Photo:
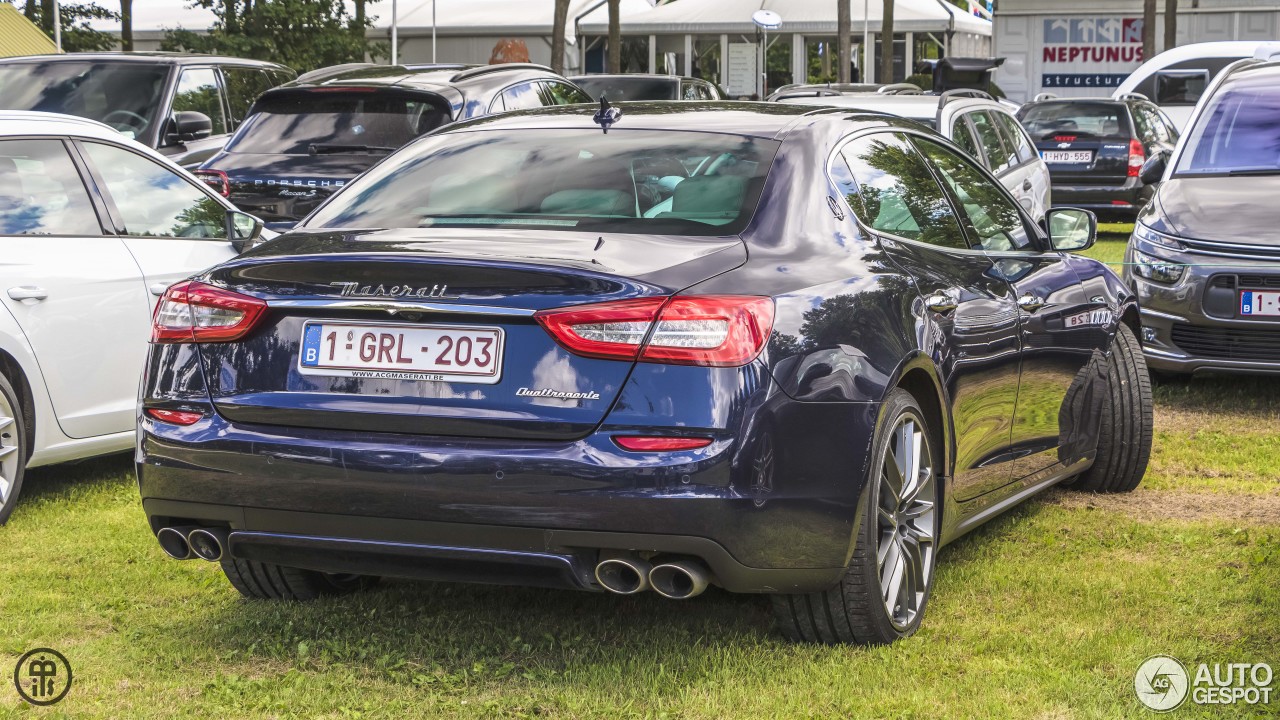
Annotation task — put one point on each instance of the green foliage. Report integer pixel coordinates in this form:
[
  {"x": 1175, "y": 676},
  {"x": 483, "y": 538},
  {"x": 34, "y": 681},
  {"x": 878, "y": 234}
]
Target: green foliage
[
  {"x": 303, "y": 34},
  {"x": 77, "y": 36}
]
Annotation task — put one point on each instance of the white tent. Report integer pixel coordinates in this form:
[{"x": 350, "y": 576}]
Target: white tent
[
  {"x": 499, "y": 17},
  {"x": 800, "y": 16}
]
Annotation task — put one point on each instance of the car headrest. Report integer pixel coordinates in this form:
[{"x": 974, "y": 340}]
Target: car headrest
[
  {"x": 709, "y": 194},
  {"x": 589, "y": 202}
]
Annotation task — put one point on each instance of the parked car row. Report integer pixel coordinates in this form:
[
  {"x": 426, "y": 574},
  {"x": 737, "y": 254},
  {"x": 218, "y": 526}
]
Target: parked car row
[{"x": 521, "y": 337}]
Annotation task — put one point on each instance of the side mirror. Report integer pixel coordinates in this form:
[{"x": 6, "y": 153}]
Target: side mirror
[
  {"x": 243, "y": 229},
  {"x": 1071, "y": 229},
  {"x": 1153, "y": 169},
  {"x": 187, "y": 125}
]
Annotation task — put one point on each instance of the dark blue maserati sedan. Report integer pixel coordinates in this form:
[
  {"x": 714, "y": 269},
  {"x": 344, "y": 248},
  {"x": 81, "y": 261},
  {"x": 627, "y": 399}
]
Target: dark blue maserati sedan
[{"x": 760, "y": 347}]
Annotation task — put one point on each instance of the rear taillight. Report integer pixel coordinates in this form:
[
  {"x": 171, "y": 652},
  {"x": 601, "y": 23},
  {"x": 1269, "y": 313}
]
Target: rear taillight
[
  {"x": 1137, "y": 156},
  {"x": 194, "y": 312},
  {"x": 706, "y": 330},
  {"x": 215, "y": 179},
  {"x": 1065, "y": 138},
  {"x": 658, "y": 443},
  {"x": 175, "y": 417}
]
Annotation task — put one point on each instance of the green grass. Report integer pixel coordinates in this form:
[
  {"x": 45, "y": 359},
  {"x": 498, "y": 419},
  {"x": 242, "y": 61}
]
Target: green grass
[
  {"x": 1112, "y": 237},
  {"x": 1044, "y": 613}
]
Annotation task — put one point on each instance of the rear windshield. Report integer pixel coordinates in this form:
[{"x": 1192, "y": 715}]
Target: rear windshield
[
  {"x": 122, "y": 95},
  {"x": 680, "y": 183},
  {"x": 319, "y": 121},
  {"x": 1099, "y": 120},
  {"x": 1238, "y": 132},
  {"x": 616, "y": 89}
]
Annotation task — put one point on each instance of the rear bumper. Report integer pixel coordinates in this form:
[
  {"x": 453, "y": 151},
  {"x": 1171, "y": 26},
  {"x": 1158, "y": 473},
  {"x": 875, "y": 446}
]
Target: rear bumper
[
  {"x": 517, "y": 512},
  {"x": 1108, "y": 201}
]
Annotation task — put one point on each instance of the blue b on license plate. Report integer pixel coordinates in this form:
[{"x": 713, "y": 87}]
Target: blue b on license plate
[
  {"x": 443, "y": 353},
  {"x": 1254, "y": 303}
]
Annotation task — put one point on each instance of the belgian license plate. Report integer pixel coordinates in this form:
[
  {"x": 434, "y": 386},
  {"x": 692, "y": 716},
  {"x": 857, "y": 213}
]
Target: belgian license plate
[
  {"x": 442, "y": 353},
  {"x": 1260, "y": 303},
  {"x": 1067, "y": 156}
]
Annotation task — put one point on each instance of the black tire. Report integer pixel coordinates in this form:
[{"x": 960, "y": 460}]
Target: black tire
[
  {"x": 1124, "y": 434},
  {"x": 13, "y": 448},
  {"x": 264, "y": 581},
  {"x": 854, "y": 611}
]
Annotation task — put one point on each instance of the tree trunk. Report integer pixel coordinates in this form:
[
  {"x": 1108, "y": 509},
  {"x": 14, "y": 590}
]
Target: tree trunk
[
  {"x": 1170, "y": 24},
  {"x": 844, "y": 50},
  {"x": 46, "y": 16},
  {"x": 360, "y": 13},
  {"x": 229, "y": 19},
  {"x": 126, "y": 25},
  {"x": 886, "y": 44},
  {"x": 1148, "y": 29},
  {"x": 615, "y": 38},
  {"x": 30, "y": 10},
  {"x": 557, "y": 35}
]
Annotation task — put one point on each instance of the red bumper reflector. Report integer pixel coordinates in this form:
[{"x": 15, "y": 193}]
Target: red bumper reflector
[
  {"x": 641, "y": 443},
  {"x": 175, "y": 417}
]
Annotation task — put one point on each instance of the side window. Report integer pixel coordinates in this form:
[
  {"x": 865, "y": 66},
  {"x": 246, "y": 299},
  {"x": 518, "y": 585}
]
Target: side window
[
  {"x": 198, "y": 91},
  {"x": 1151, "y": 124},
  {"x": 1016, "y": 136},
  {"x": 704, "y": 91},
  {"x": 41, "y": 192},
  {"x": 688, "y": 91},
  {"x": 962, "y": 136},
  {"x": 566, "y": 94},
  {"x": 244, "y": 85},
  {"x": 518, "y": 97},
  {"x": 1180, "y": 87},
  {"x": 898, "y": 194},
  {"x": 989, "y": 137},
  {"x": 989, "y": 212},
  {"x": 1169, "y": 127},
  {"x": 153, "y": 200}
]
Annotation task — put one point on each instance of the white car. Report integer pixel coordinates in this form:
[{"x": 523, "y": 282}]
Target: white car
[
  {"x": 979, "y": 124},
  {"x": 1176, "y": 78},
  {"x": 93, "y": 228}
]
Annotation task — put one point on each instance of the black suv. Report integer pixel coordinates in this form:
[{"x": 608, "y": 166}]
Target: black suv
[
  {"x": 184, "y": 106},
  {"x": 1095, "y": 149},
  {"x": 305, "y": 140}
]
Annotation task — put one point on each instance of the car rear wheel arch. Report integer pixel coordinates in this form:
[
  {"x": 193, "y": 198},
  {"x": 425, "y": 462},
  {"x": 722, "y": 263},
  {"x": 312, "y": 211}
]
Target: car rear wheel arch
[{"x": 919, "y": 377}]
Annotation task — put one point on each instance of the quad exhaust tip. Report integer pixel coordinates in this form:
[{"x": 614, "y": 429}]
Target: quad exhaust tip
[
  {"x": 173, "y": 540},
  {"x": 623, "y": 575},
  {"x": 679, "y": 579},
  {"x": 208, "y": 543}
]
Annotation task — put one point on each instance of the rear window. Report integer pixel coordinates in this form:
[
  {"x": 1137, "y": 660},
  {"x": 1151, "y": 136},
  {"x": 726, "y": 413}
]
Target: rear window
[
  {"x": 616, "y": 89},
  {"x": 1098, "y": 120},
  {"x": 1237, "y": 132},
  {"x": 302, "y": 122},
  {"x": 626, "y": 181}
]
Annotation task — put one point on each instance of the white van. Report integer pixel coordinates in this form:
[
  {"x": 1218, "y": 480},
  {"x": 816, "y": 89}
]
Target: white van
[{"x": 1176, "y": 78}]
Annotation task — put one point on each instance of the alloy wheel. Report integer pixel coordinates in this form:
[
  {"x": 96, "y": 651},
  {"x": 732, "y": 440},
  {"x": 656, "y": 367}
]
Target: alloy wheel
[
  {"x": 905, "y": 521},
  {"x": 9, "y": 456}
]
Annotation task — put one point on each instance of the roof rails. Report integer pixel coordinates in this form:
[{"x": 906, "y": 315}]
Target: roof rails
[
  {"x": 1134, "y": 96},
  {"x": 1044, "y": 96},
  {"x": 903, "y": 88},
  {"x": 503, "y": 67},
  {"x": 436, "y": 66},
  {"x": 814, "y": 92}
]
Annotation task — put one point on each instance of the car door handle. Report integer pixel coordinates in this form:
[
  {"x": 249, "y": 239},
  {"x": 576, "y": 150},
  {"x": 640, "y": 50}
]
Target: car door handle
[
  {"x": 28, "y": 292},
  {"x": 1030, "y": 303},
  {"x": 940, "y": 303},
  {"x": 158, "y": 289}
]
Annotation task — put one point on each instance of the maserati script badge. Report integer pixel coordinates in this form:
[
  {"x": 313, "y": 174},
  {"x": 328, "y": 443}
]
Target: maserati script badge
[{"x": 433, "y": 292}]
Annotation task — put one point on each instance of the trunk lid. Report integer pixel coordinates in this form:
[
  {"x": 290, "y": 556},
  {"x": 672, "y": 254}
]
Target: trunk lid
[
  {"x": 404, "y": 282},
  {"x": 286, "y": 188},
  {"x": 1083, "y": 143}
]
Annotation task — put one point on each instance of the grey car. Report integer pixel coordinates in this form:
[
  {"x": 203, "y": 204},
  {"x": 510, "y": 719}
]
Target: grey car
[{"x": 1204, "y": 258}]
